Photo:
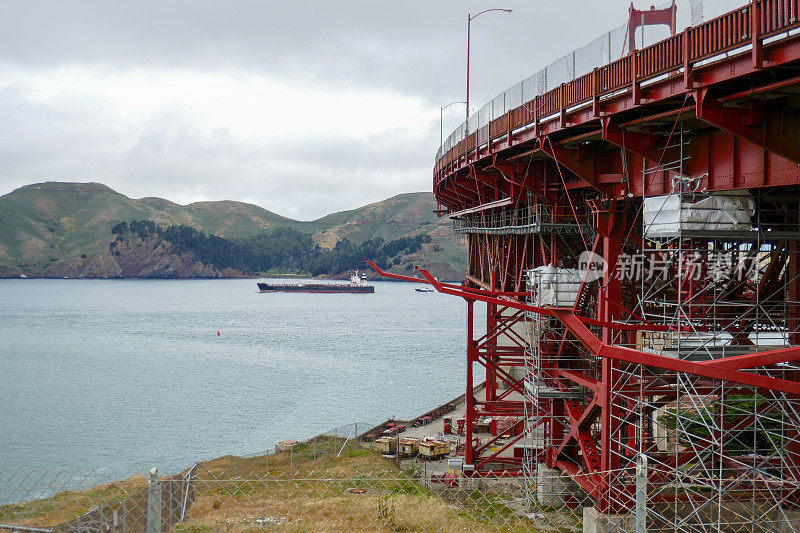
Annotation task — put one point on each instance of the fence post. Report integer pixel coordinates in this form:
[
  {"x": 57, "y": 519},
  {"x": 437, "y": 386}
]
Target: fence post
[
  {"x": 641, "y": 493},
  {"x": 574, "y": 72},
  {"x": 235, "y": 476},
  {"x": 185, "y": 487},
  {"x": 154, "y": 503}
]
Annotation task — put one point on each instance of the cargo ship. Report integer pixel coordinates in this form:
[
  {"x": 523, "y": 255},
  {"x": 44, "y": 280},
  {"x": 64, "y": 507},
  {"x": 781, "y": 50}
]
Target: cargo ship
[{"x": 358, "y": 284}]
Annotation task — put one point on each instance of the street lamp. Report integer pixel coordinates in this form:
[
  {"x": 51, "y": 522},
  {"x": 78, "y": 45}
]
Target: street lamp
[
  {"x": 441, "y": 119},
  {"x": 469, "y": 23}
]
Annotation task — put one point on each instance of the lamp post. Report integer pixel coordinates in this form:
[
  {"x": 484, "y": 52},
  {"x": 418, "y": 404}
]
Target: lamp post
[
  {"x": 469, "y": 24},
  {"x": 441, "y": 119}
]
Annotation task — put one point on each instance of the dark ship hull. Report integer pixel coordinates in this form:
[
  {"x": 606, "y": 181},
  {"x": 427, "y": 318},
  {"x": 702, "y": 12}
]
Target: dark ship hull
[{"x": 316, "y": 287}]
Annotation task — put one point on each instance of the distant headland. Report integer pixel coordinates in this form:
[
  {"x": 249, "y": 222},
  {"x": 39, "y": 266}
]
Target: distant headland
[{"x": 88, "y": 230}]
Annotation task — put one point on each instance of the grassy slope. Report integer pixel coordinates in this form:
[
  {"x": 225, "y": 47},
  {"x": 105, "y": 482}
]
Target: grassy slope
[
  {"x": 42, "y": 222},
  {"x": 310, "y": 489},
  {"x": 50, "y": 222},
  {"x": 232, "y": 220},
  {"x": 402, "y": 215}
]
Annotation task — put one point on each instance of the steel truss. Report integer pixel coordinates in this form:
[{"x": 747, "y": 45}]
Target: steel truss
[
  {"x": 501, "y": 243},
  {"x": 698, "y": 378},
  {"x": 500, "y": 351},
  {"x": 657, "y": 367}
]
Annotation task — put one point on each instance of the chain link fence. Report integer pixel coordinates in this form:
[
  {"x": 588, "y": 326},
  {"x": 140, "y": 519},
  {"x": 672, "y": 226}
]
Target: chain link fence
[
  {"x": 337, "y": 482},
  {"x": 50, "y": 501},
  {"x": 332, "y": 482}
]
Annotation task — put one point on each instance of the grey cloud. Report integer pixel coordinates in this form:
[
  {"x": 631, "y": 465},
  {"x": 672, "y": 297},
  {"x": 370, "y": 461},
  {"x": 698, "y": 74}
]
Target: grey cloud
[
  {"x": 416, "y": 47},
  {"x": 173, "y": 157},
  {"x": 412, "y": 48}
]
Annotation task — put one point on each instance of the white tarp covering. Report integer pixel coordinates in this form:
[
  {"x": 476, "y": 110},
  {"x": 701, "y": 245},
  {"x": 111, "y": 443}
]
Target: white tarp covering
[
  {"x": 667, "y": 216},
  {"x": 554, "y": 286}
]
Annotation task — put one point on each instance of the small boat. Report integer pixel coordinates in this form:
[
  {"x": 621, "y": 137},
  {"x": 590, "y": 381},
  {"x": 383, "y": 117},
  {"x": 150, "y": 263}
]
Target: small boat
[
  {"x": 424, "y": 289},
  {"x": 358, "y": 285}
]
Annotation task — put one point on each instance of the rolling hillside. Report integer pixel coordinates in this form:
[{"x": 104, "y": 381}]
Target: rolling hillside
[{"x": 58, "y": 229}]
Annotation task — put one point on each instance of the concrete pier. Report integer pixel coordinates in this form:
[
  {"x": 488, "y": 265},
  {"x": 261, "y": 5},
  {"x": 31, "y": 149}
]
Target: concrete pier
[
  {"x": 731, "y": 516},
  {"x": 597, "y": 522},
  {"x": 553, "y": 487}
]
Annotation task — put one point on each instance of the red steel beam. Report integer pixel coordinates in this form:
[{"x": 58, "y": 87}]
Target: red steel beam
[
  {"x": 577, "y": 327},
  {"x": 598, "y": 348}
]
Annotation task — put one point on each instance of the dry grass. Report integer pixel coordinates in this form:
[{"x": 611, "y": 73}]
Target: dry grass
[
  {"x": 315, "y": 508},
  {"x": 305, "y": 461},
  {"x": 67, "y": 505},
  {"x": 298, "y": 491},
  {"x": 358, "y": 491}
]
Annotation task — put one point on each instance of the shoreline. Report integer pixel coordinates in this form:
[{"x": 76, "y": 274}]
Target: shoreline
[
  {"x": 431, "y": 417},
  {"x": 271, "y": 276}
]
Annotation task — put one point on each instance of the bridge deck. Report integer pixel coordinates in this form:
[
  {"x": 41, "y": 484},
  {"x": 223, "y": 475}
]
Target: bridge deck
[{"x": 698, "y": 76}]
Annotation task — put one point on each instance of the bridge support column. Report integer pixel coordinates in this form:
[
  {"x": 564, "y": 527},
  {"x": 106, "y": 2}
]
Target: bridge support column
[
  {"x": 596, "y": 522},
  {"x": 554, "y": 488}
]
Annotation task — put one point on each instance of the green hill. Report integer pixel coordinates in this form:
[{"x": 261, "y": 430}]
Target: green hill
[{"x": 64, "y": 229}]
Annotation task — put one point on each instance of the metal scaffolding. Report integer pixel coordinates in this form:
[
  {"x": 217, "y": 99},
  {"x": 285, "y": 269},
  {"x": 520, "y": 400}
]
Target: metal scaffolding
[{"x": 713, "y": 284}]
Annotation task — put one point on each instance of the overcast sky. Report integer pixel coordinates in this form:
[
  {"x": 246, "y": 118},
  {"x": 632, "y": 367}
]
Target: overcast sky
[{"x": 301, "y": 107}]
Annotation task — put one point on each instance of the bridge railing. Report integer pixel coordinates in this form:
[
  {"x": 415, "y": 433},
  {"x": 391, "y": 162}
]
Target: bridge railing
[
  {"x": 604, "y": 49},
  {"x": 563, "y": 85}
]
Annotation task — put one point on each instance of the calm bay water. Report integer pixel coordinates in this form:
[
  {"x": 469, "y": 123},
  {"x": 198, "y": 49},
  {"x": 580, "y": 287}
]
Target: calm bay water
[{"x": 124, "y": 375}]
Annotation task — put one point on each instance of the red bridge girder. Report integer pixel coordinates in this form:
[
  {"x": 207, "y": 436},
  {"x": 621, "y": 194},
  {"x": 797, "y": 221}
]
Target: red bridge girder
[{"x": 740, "y": 105}]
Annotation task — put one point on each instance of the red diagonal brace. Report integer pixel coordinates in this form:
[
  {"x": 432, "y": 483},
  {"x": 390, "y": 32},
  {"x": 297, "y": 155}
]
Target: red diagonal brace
[
  {"x": 751, "y": 360},
  {"x": 507, "y": 299},
  {"x": 596, "y": 347},
  {"x": 385, "y": 274}
]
